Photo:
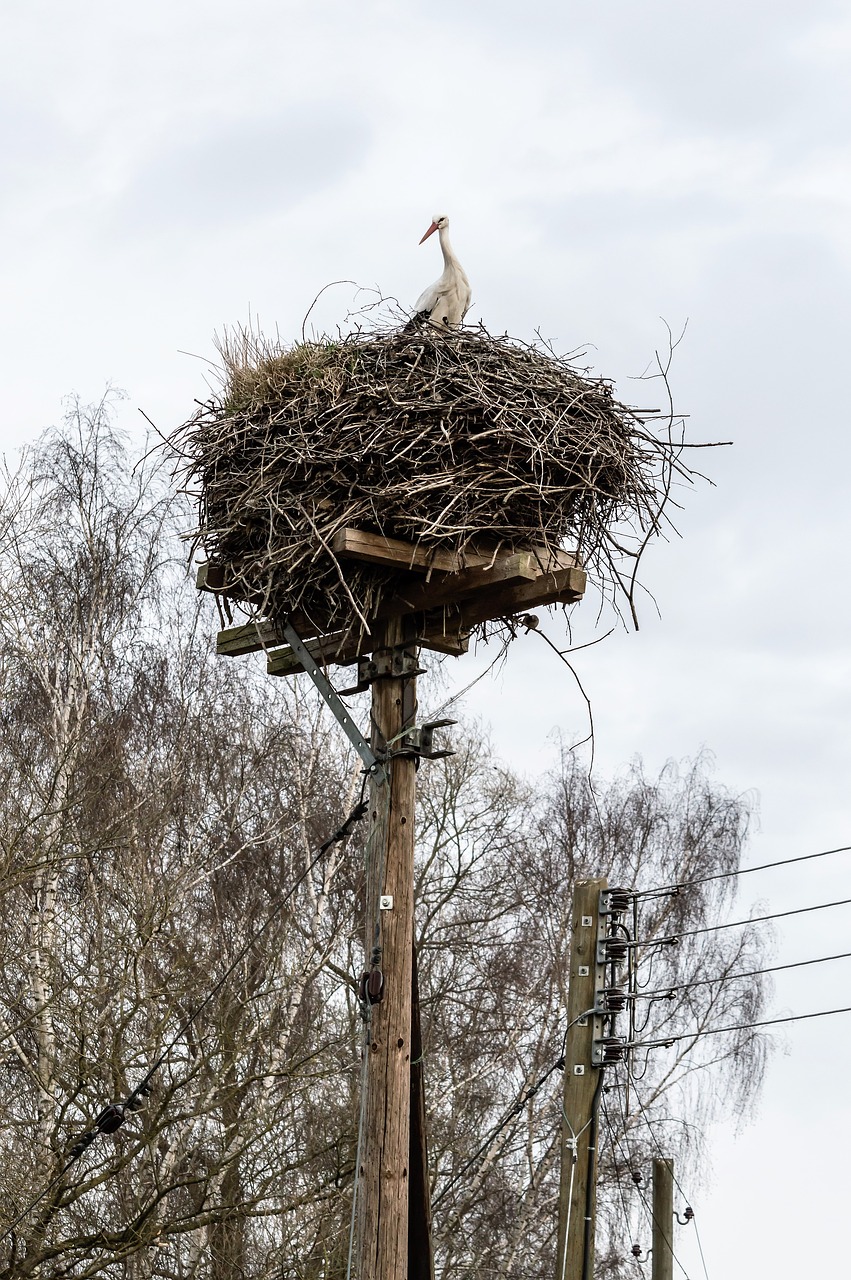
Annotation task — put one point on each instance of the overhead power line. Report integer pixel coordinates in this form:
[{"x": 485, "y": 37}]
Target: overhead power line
[
  {"x": 642, "y": 1111},
  {"x": 741, "y": 871},
  {"x": 514, "y": 1110},
  {"x": 736, "y": 924},
  {"x": 661, "y": 992},
  {"x": 645, "y": 1204},
  {"x": 741, "y": 1026}
]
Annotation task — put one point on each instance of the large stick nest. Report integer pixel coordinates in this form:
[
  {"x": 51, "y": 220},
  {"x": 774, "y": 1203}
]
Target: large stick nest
[{"x": 445, "y": 439}]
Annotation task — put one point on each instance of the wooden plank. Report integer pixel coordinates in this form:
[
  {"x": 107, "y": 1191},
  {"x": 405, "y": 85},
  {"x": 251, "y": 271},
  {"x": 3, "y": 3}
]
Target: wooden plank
[
  {"x": 342, "y": 649},
  {"x": 219, "y": 581},
  {"x": 250, "y": 638},
  {"x": 509, "y": 571},
  {"x": 338, "y": 649},
  {"x": 395, "y": 553},
  {"x": 455, "y": 646},
  {"x": 210, "y": 577},
  {"x": 564, "y": 586},
  {"x": 509, "y": 588},
  {"x": 445, "y": 630},
  {"x": 235, "y": 642},
  {"x": 457, "y": 576}
]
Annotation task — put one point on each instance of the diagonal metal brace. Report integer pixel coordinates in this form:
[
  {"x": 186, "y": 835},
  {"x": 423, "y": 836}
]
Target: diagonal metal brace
[{"x": 334, "y": 701}]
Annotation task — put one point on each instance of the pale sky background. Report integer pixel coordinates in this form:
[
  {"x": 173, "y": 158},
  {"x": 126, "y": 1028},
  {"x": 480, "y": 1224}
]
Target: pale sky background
[{"x": 174, "y": 167}]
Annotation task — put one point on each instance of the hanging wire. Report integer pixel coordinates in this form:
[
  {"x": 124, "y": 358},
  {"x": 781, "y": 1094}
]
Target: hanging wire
[
  {"x": 741, "y": 1026},
  {"x": 514, "y": 1110},
  {"x": 616, "y": 1142},
  {"x": 359, "y": 1147},
  {"x": 741, "y": 871},
  {"x": 648, "y": 1207},
  {"x": 737, "y": 924},
  {"x": 643, "y": 1114},
  {"x": 662, "y": 992}
]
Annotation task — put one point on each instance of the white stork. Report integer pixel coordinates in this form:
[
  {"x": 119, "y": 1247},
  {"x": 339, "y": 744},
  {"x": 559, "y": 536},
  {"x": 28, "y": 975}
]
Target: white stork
[{"x": 447, "y": 301}]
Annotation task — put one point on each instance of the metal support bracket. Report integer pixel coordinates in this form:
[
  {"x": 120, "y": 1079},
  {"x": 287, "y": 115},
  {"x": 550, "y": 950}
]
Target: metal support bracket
[
  {"x": 390, "y": 664},
  {"x": 614, "y": 902},
  {"x": 419, "y": 741},
  {"x": 333, "y": 700},
  {"x": 608, "y": 1049},
  {"x": 386, "y": 664}
]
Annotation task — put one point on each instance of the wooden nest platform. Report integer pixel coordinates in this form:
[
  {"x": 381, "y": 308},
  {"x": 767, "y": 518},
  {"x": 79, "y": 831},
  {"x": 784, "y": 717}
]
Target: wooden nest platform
[{"x": 454, "y": 477}]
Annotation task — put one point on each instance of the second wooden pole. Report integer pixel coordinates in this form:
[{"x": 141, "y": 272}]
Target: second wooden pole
[{"x": 663, "y": 1219}]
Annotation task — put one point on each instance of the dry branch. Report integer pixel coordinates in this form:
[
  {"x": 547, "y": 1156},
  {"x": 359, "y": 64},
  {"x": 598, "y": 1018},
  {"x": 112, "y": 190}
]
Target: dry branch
[{"x": 457, "y": 442}]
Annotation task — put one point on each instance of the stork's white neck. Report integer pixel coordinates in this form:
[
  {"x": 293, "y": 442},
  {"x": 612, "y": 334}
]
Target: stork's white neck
[{"x": 448, "y": 252}]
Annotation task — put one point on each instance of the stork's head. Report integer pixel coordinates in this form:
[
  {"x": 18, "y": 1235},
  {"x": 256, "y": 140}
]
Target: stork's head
[{"x": 438, "y": 223}]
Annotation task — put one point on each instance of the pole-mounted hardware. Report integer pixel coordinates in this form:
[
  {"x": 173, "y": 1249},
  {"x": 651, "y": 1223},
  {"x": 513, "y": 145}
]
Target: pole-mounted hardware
[
  {"x": 608, "y": 1049},
  {"x": 611, "y": 950},
  {"x": 419, "y": 741},
  {"x": 371, "y": 985},
  {"x": 333, "y": 700},
  {"x": 395, "y": 662},
  {"x": 610, "y": 1000},
  {"x": 614, "y": 902}
]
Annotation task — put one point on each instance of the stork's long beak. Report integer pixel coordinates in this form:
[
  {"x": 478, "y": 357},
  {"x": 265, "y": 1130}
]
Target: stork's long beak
[{"x": 430, "y": 231}]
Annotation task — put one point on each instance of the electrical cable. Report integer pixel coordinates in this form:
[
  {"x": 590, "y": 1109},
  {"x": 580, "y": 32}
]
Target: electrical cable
[
  {"x": 742, "y": 871},
  {"x": 616, "y": 1140},
  {"x": 648, "y": 1208},
  {"x": 741, "y": 1026},
  {"x": 662, "y": 992},
  {"x": 590, "y": 1185},
  {"x": 656, "y": 1143},
  {"x": 736, "y": 924},
  {"x": 113, "y": 1116},
  {"x": 359, "y": 1148},
  {"x": 562, "y": 1262},
  {"x": 514, "y": 1110},
  {"x": 627, "y": 1215}
]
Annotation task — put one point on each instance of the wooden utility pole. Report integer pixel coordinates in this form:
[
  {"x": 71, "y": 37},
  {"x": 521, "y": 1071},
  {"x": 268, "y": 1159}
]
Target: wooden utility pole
[
  {"x": 384, "y": 1170},
  {"x": 459, "y": 590},
  {"x": 577, "y": 1194},
  {"x": 663, "y": 1219}
]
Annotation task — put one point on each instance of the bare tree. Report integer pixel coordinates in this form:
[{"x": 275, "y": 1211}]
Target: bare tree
[
  {"x": 498, "y": 871},
  {"x": 159, "y": 806}
]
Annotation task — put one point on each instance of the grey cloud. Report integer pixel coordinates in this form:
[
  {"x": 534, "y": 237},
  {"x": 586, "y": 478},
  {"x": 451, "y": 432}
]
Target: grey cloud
[
  {"x": 727, "y": 67},
  {"x": 244, "y": 170}
]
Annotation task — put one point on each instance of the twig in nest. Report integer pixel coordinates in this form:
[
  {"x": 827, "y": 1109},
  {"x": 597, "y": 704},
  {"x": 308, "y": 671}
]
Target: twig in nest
[{"x": 447, "y": 440}]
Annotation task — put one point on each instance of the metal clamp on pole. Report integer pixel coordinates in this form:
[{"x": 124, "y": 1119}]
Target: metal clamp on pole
[
  {"x": 419, "y": 741},
  {"x": 386, "y": 664}
]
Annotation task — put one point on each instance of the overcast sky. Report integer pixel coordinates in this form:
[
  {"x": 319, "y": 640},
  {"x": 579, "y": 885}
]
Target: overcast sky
[{"x": 176, "y": 167}]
